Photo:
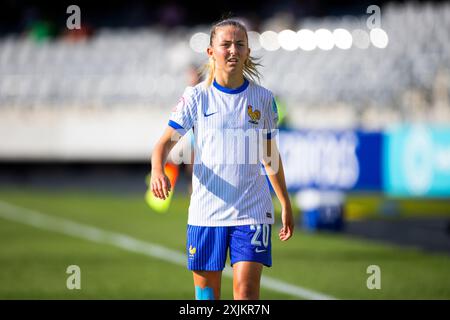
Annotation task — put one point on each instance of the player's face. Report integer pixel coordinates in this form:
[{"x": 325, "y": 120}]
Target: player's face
[{"x": 229, "y": 49}]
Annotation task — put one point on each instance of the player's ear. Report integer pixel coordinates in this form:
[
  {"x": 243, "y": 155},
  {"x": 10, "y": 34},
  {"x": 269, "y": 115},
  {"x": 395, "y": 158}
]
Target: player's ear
[{"x": 209, "y": 51}]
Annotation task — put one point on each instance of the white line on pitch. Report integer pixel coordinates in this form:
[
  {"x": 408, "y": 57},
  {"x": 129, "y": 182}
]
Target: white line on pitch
[{"x": 68, "y": 227}]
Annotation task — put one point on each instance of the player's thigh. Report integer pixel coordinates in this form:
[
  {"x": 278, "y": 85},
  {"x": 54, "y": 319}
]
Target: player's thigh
[
  {"x": 250, "y": 250},
  {"x": 247, "y": 273},
  {"x": 206, "y": 248},
  {"x": 246, "y": 280},
  {"x": 251, "y": 243}
]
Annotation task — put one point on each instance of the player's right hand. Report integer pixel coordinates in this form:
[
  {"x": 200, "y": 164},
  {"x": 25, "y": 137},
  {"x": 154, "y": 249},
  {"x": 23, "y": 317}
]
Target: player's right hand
[{"x": 160, "y": 185}]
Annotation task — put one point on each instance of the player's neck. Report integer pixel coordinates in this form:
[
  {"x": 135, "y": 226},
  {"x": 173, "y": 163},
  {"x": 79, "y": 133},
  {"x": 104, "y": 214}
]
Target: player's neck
[{"x": 231, "y": 81}]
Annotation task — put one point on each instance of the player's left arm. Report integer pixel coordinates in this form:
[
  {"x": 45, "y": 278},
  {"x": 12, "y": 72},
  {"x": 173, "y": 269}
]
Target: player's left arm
[{"x": 274, "y": 169}]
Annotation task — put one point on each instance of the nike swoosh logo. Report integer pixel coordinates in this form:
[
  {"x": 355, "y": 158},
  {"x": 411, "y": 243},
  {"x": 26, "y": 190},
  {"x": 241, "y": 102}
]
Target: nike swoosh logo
[
  {"x": 259, "y": 251},
  {"x": 207, "y": 115}
]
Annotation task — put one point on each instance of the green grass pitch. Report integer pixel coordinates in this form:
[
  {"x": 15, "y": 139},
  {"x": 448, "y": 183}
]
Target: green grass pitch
[{"x": 33, "y": 260}]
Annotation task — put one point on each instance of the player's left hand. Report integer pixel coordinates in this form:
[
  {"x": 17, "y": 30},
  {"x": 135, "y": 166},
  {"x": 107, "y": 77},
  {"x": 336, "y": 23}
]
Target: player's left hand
[{"x": 288, "y": 223}]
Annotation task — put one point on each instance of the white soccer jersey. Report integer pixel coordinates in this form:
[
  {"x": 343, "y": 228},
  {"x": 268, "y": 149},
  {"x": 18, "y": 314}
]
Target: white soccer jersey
[{"x": 229, "y": 188}]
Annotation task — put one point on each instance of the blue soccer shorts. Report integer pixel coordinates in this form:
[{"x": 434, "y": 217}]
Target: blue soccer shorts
[{"x": 207, "y": 247}]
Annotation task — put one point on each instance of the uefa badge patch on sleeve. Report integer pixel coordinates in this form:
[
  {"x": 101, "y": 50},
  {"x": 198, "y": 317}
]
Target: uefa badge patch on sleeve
[{"x": 179, "y": 105}]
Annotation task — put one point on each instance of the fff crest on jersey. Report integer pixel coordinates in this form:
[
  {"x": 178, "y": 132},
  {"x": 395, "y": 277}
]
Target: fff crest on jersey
[{"x": 254, "y": 115}]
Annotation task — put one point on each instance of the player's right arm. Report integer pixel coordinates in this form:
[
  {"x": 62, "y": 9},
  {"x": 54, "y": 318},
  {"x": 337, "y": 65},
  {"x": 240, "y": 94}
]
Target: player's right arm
[
  {"x": 160, "y": 183},
  {"x": 181, "y": 120}
]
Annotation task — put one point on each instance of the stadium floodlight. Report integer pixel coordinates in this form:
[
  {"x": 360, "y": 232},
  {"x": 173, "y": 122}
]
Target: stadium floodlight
[
  {"x": 254, "y": 40},
  {"x": 306, "y": 39},
  {"x": 199, "y": 42},
  {"x": 342, "y": 38},
  {"x": 379, "y": 38},
  {"x": 360, "y": 38},
  {"x": 269, "y": 41},
  {"x": 288, "y": 40},
  {"x": 324, "y": 39}
]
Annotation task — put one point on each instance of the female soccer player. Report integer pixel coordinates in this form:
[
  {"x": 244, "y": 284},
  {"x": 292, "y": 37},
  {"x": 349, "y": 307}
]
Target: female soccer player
[{"x": 231, "y": 206}]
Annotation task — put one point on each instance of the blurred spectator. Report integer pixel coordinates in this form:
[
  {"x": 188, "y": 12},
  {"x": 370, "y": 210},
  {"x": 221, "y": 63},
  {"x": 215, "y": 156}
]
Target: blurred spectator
[
  {"x": 77, "y": 35},
  {"x": 280, "y": 21},
  {"x": 41, "y": 30},
  {"x": 171, "y": 14}
]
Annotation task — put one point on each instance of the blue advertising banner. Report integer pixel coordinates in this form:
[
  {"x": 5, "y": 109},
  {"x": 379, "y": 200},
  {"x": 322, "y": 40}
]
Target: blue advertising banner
[
  {"x": 331, "y": 160},
  {"x": 417, "y": 161}
]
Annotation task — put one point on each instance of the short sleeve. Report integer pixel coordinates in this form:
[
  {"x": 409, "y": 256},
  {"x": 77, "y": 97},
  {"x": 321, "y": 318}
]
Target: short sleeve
[
  {"x": 184, "y": 114},
  {"x": 271, "y": 118}
]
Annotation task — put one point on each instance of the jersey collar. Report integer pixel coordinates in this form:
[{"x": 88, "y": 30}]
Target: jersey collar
[{"x": 232, "y": 91}]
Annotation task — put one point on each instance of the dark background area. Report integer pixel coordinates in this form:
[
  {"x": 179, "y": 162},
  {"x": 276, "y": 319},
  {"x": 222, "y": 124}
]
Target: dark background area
[{"x": 18, "y": 16}]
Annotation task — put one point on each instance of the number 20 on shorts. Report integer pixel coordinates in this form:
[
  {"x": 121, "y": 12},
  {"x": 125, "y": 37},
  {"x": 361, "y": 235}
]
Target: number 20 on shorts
[{"x": 256, "y": 239}]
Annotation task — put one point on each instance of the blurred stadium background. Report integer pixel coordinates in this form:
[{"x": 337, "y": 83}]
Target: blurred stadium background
[{"x": 365, "y": 140}]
